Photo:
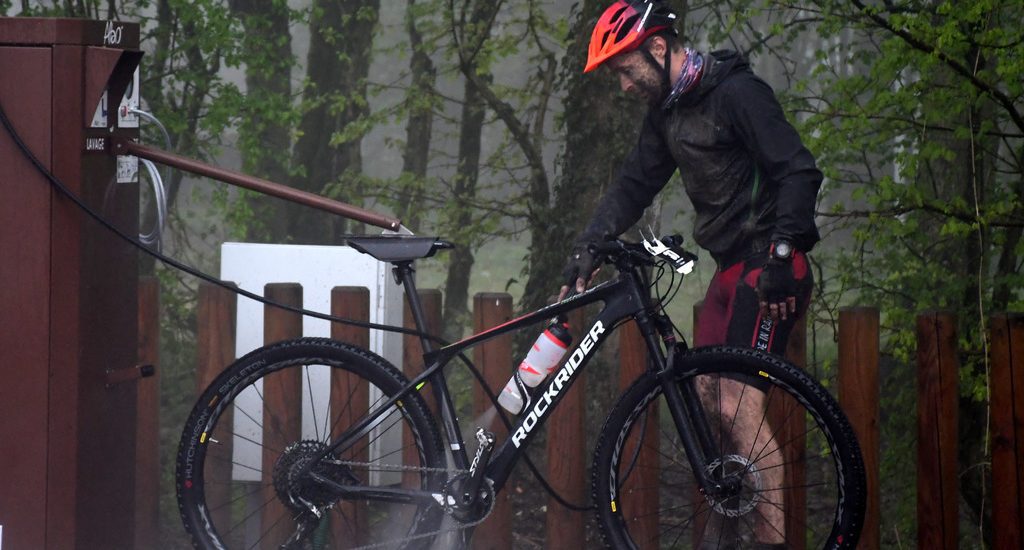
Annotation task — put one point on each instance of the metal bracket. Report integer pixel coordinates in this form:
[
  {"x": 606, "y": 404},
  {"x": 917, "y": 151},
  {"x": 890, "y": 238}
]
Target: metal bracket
[{"x": 120, "y": 376}]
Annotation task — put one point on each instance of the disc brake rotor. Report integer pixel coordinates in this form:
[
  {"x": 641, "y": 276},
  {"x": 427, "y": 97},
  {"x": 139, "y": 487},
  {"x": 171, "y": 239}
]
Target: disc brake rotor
[{"x": 743, "y": 485}]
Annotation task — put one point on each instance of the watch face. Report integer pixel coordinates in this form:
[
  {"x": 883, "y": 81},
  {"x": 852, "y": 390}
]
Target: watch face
[{"x": 783, "y": 250}]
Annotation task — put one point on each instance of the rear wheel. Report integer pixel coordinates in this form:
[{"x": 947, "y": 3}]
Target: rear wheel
[
  {"x": 785, "y": 463},
  {"x": 264, "y": 422}
]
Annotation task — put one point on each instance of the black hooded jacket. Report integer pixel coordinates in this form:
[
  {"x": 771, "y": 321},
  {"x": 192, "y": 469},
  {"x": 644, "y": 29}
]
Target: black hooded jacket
[{"x": 743, "y": 165}]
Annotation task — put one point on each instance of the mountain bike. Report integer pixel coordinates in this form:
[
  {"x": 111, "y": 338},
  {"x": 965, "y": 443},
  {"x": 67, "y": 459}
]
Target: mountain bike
[{"x": 317, "y": 443}]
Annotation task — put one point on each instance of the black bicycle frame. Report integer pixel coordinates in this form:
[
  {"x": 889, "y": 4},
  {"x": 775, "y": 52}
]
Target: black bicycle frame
[{"x": 624, "y": 297}]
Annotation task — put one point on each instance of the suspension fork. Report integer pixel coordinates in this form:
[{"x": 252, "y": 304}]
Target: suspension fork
[{"x": 683, "y": 400}]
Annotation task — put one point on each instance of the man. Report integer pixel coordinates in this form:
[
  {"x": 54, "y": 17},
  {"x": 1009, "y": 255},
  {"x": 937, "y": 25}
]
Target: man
[{"x": 751, "y": 181}]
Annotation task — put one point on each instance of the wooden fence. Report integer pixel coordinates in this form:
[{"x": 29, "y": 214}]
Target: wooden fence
[{"x": 858, "y": 391}]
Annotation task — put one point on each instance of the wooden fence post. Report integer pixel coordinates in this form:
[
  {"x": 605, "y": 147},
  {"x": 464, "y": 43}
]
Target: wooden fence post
[
  {"x": 1007, "y": 383},
  {"x": 412, "y": 348},
  {"x": 282, "y": 398},
  {"x": 215, "y": 333},
  {"x": 494, "y": 358},
  {"x": 147, "y": 427},
  {"x": 701, "y": 510},
  {"x": 215, "y": 336},
  {"x": 349, "y": 400},
  {"x": 640, "y": 490},
  {"x": 859, "y": 398},
  {"x": 937, "y": 480},
  {"x": 566, "y": 449},
  {"x": 791, "y": 429}
]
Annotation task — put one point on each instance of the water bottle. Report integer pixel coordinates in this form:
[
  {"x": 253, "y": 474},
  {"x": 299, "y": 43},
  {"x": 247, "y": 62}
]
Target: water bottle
[{"x": 539, "y": 362}]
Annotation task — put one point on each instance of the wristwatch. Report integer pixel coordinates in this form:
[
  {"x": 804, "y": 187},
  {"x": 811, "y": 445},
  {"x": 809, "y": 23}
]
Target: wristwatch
[{"x": 782, "y": 250}]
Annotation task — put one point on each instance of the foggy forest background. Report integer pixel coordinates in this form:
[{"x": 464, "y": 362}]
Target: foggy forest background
[{"x": 470, "y": 119}]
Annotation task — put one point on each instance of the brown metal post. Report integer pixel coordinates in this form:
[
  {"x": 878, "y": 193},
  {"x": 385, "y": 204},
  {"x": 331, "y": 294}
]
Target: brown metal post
[
  {"x": 282, "y": 398},
  {"x": 147, "y": 426},
  {"x": 494, "y": 358},
  {"x": 349, "y": 401},
  {"x": 937, "y": 480},
  {"x": 859, "y": 398},
  {"x": 125, "y": 147},
  {"x": 215, "y": 350},
  {"x": 566, "y": 450},
  {"x": 1007, "y": 426},
  {"x": 640, "y": 491}
]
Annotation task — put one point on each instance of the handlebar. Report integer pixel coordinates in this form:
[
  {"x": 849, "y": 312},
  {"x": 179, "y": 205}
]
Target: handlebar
[{"x": 627, "y": 254}]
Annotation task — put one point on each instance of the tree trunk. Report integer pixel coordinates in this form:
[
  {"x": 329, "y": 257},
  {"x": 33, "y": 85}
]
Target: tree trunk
[
  {"x": 460, "y": 218},
  {"x": 341, "y": 37},
  {"x": 460, "y": 260},
  {"x": 420, "y": 104},
  {"x": 188, "y": 96},
  {"x": 965, "y": 259},
  {"x": 1007, "y": 266},
  {"x": 600, "y": 128},
  {"x": 265, "y": 140}
]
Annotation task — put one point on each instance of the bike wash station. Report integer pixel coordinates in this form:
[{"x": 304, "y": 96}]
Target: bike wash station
[
  {"x": 69, "y": 368},
  {"x": 70, "y": 373}
]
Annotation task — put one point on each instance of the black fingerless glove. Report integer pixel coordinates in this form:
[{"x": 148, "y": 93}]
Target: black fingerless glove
[
  {"x": 581, "y": 265},
  {"x": 776, "y": 282}
]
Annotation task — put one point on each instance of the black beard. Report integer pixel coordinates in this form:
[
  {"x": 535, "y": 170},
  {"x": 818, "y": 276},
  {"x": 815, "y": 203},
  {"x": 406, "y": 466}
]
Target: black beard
[
  {"x": 654, "y": 95},
  {"x": 656, "y": 100}
]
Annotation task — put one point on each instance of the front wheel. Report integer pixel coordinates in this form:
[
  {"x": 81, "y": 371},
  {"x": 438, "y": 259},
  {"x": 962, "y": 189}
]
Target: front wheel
[
  {"x": 257, "y": 434},
  {"x": 784, "y": 467}
]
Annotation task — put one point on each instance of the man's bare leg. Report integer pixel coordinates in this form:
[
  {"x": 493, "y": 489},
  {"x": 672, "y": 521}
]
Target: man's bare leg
[{"x": 743, "y": 421}]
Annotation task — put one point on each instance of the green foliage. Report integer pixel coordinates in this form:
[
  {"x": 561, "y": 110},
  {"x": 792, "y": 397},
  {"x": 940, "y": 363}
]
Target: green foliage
[
  {"x": 913, "y": 110},
  {"x": 914, "y": 113}
]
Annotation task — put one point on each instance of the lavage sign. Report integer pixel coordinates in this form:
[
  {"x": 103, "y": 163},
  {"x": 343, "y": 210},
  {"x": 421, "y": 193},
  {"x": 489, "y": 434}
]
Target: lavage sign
[{"x": 543, "y": 403}]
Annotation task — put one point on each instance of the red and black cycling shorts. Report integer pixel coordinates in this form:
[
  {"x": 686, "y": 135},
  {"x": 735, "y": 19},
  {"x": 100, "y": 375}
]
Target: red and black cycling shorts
[{"x": 731, "y": 313}]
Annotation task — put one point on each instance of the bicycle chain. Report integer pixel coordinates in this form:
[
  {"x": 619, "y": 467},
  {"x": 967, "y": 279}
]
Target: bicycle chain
[
  {"x": 396, "y": 467},
  {"x": 444, "y": 494}
]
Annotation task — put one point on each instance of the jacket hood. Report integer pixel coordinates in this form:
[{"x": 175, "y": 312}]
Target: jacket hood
[{"x": 718, "y": 65}]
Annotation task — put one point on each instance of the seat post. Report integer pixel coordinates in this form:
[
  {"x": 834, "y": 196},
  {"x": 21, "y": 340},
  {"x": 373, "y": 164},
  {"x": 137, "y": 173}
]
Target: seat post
[{"x": 404, "y": 275}]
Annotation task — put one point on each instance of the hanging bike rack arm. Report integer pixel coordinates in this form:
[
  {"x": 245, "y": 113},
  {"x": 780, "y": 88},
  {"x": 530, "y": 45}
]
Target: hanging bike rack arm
[{"x": 125, "y": 147}]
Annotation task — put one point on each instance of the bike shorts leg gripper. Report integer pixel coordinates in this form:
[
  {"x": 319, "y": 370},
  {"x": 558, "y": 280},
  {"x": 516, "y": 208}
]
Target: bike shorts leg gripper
[{"x": 731, "y": 313}]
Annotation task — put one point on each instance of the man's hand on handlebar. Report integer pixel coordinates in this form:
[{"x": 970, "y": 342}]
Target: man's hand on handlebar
[{"x": 580, "y": 269}]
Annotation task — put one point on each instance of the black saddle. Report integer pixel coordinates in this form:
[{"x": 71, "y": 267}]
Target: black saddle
[{"x": 398, "y": 248}]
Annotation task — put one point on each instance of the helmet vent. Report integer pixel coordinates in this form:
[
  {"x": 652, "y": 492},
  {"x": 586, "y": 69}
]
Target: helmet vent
[{"x": 627, "y": 27}]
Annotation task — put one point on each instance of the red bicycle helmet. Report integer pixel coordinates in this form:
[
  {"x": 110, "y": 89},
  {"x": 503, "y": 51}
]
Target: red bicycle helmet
[{"x": 624, "y": 26}]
